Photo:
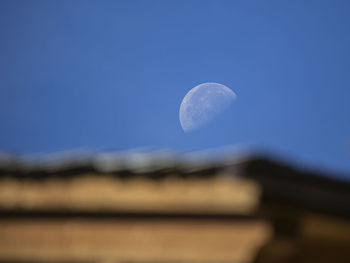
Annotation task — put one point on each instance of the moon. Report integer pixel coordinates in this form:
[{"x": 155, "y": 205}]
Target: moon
[{"x": 203, "y": 103}]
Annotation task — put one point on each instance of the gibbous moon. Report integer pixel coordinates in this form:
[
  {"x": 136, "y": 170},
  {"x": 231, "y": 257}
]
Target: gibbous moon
[{"x": 203, "y": 103}]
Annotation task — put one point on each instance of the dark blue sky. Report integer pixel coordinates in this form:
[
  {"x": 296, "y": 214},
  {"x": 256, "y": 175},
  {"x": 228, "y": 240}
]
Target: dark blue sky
[{"x": 112, "y": 74}]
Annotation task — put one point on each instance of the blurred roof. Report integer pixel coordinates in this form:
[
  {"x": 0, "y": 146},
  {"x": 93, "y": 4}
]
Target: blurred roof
[{"x": 278, "y": 180}]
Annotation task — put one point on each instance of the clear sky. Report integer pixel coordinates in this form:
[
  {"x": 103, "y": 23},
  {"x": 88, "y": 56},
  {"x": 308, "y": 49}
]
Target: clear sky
[{"x": 112, "y": 74}]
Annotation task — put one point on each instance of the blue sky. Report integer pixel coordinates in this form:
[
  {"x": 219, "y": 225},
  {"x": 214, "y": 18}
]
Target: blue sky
[{"x": 112, "y": 74}]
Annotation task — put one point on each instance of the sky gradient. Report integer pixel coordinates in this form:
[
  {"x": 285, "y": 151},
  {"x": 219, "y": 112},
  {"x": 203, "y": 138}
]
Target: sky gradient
[{"x": 112, "y": 75}]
